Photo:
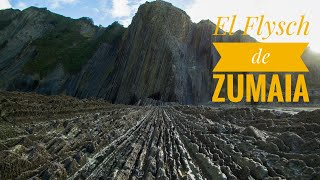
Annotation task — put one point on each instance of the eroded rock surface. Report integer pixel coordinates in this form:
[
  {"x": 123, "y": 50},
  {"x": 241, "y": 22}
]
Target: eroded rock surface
[
  {"x": 162, "y": 56},
  {"x": 62, "y": 137}
]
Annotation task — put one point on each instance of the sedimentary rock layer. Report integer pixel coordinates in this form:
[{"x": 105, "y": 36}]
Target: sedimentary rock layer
[
  {"x": 162, "y": 55},
  {"x": 96, "y": 140}
]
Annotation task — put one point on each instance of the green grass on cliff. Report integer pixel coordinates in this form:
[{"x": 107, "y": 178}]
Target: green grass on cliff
[
  {"x": 112, "y": 34},
  {"x": 65, "y": 45}
]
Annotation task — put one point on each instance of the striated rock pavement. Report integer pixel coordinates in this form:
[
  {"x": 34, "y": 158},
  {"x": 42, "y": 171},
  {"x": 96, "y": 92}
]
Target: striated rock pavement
[{"x": 58, "y": 137}]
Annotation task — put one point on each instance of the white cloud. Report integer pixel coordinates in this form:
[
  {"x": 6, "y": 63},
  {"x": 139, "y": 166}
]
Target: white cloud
[
  {"x": 125, "y": 21},
  {"x": 274, "y": 10},
  {"x": 55, "y": 4},
  {"x": 5, "y": 4},
  {"x": 96, "y": 10},
  {"x": 21, "y": 5},
  {"x": 120, "y": 8}
]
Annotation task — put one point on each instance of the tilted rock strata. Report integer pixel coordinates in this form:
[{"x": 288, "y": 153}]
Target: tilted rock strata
[
  {"x": 162, "y": 55},
  {"x": 178, "y": 142}
]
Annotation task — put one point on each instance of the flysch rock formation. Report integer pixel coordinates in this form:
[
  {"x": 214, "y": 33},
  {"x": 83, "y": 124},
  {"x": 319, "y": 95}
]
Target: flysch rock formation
[
  {"x": 59, "y": 137},
  {"x": 161, "y": 56}
]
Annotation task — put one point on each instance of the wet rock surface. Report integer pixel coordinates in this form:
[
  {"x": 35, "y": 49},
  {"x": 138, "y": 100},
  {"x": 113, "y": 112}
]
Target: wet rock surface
[{"x": 58, "y": 137}]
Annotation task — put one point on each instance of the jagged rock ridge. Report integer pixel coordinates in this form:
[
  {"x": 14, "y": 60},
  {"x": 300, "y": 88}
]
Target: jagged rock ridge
[{"x": 162, "y": 55}]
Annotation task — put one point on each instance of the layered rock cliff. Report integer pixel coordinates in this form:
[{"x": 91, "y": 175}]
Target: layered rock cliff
[{"x": 162, "y": 55}]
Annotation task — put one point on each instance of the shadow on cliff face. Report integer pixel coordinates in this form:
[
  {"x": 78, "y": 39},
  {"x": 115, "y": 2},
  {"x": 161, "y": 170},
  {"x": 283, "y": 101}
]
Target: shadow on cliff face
[
  {"x": 155, "y": 96},
  {"x": 133, "y": 100}
]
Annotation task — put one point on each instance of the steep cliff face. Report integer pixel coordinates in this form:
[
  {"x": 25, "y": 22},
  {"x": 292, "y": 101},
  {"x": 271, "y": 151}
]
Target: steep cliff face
[
  {"x": 36, "y": 43},
  {"x": 17, "y": 31},
  {"x": 162, "y": 55}
]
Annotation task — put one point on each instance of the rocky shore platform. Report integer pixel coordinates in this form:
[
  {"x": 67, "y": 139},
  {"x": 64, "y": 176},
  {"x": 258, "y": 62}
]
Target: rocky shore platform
[{"x": 60, "y": 137}]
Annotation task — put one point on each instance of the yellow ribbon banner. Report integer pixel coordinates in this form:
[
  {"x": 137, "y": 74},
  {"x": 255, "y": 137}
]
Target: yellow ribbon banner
[{"x": 260, "y": 57}]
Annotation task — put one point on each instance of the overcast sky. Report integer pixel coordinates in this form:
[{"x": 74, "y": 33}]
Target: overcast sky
[{"x": 105, "y": 12}]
